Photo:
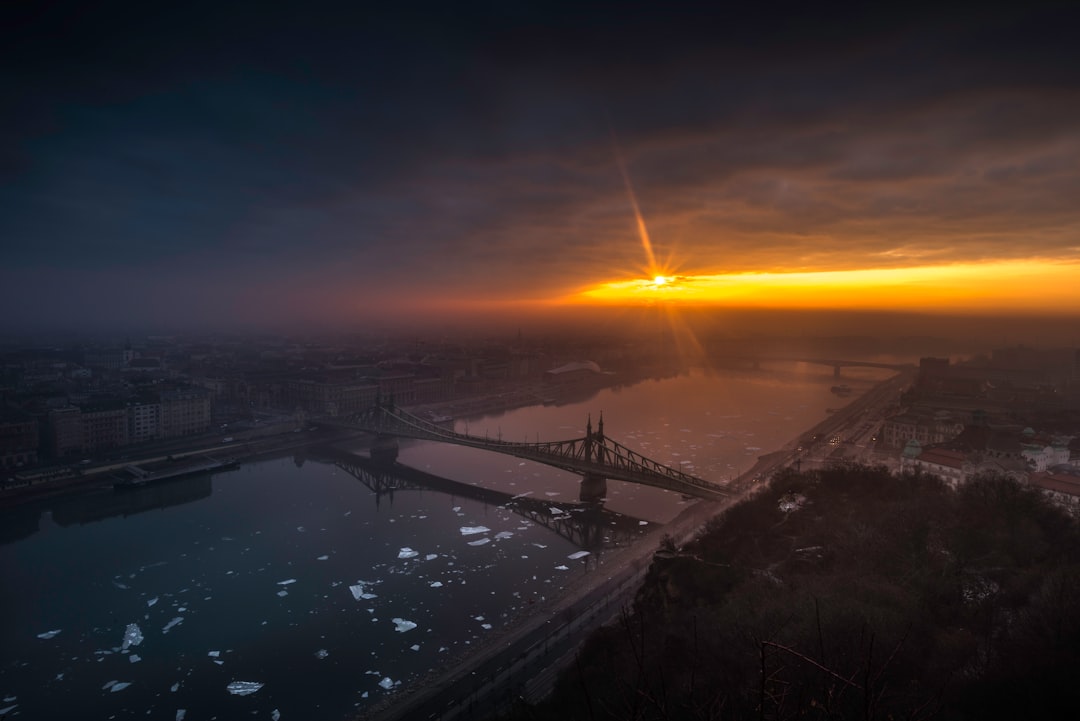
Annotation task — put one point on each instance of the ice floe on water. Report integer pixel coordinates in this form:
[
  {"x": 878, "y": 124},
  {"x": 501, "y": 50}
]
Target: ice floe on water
[
  {"x": 556, "y": 511},
  {"x": 643, "y": 523},
  {"x": 151, "y": 601},
  {"x": 243, "y": 688},
  {"x": 480, "y": 542},
  {"x": 401, "y": 625},
  {"x": 577, "y": 555},
  {"x": 283, "y": 593},
  {"x": 359, "y": 591},
  {"x": 473, "y": 530},
  {"x": 213, "y": 654},
  {"x": 407, "y": 552},
  {"x": 562, "y": 568},
  {"x": 132, "y": 636},
  {"x": 49, "y": 634},
  {"x": 436, "y": 584},
  {"x": 114, "y": 686},
  {"x": 180, "y": 714},
  {"x": 134, "y": 658},
  {"x": 431, "y": 557},
  {"x": 275, "y": 715},
  {"x": 175, "y": 687},
  {"x": 504, "y": 535},
  {"x": 286, "y": 582},
  {"x": 321, "y": 653},
  {"x": 323, "y": 558},
  {"x": 7, "y": 710},
  {"x": 387, "y": 683},
  {"x": 174, "y": 622}
]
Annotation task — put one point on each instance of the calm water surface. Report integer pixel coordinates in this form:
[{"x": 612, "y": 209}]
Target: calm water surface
[{"x": 253, "y": 575}]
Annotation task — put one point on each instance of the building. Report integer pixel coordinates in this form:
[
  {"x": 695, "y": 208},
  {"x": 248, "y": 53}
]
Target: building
[
  {"x": 572, "y": 374},
  {"x": 927, "y": 429},
  {"x": 184, "y": 412},
  {"x": 144, "y": 420},
  {"x": 19, "y": 439},
  {"x": 951, "y": 466},
  {"x": 330, "y": 399},
  {"x": 65, "y": 431},
  {"x": 105, "y": 425},
  {"x": 1062, "y": 489}
]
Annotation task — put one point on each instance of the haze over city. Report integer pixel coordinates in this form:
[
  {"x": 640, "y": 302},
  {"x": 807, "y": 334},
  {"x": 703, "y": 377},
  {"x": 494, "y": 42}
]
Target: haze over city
[
  {"x": 207, "y": 165},
  {"x": 539, "y": 361}
]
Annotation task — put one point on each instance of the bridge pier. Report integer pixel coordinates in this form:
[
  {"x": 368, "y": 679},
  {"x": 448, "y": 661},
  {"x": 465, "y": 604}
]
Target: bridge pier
[
  {"x": 384, "y": 449},
  {"x": 836, "y": 371},
  {"x": 593, "y": 488}
]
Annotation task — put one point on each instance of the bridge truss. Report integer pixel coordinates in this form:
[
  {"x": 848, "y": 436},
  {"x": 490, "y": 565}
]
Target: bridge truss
[{"x": 593, "y": 456}]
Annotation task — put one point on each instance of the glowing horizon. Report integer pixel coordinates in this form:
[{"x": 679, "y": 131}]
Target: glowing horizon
[{"x": 1003, "y": 285}]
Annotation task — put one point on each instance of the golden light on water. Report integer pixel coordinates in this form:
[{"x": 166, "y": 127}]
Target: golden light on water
[{"x": 1042, "y": 285}]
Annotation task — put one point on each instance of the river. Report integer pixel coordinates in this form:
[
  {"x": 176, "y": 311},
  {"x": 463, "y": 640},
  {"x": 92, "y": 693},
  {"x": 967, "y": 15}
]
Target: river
[{"x": 294, "y": 575}]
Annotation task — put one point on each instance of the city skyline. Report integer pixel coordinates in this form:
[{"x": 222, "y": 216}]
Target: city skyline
[{"x": 242, "y": 167}]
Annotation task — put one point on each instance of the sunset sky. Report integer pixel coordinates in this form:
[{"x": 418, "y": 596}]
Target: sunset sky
[{"x": 178, "y": 164}]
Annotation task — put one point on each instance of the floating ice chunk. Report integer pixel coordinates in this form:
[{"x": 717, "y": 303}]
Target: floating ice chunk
[
  {"x": 175, "y": 687},
  {"x": 486, "y": 626},
  {"x": 243, "y": 688},
  {"x": 539, "y": 545},
  {"x": 456, "y": 509},
  {"x": 121, "y": 585},
  {"x": 109, "y": 684},
  {"x": 286, "y": 582},
  {"x": 431, "y": 557},
  {"x": 321, "y": 653},
  {"x": 552, "y": 494},
  {"x": 283, "y": 593},
  {"x": 132, "y": 636},
  {"x": 436, "y": 584},
  {"x": 119, "y": 686},
  {"x": 473, "y": 530},
  {"x": 387, "y": 683},
  {"x": 401, "y": 625},
  {"x": 9, "y": 699},
  {"x": 49, "y": 634},
  {"x": 407, "y": 552},
  {"x": 359, "y": 591},
  {"x": 562, "y": 568},
  {"x": 556, "y": 511},
  {"x": 152, "y": 601},
  {"x": 180, "y": 714},
  {"x": 275, "y": 715},
  {"x": 301, "y": 529},
  {"x": 219, "y": 662},
  {"x": 504, "y": 534},
  {"x": 643, "y": 523},
  {"x": 214, "y": 654},
  {"x": 577, "y": 555},
  {"x": 7, "y": 710},
  {"x": 480, "y": 542},
  {"x": 320, "y": 558},
  {"x": 134, "y": 658},
  {"x": 177, "y": 620}
]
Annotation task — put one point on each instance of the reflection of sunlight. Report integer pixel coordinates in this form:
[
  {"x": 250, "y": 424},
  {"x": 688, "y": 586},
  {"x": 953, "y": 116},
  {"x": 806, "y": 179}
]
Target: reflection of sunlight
[{"x": 1011, "y": 285}]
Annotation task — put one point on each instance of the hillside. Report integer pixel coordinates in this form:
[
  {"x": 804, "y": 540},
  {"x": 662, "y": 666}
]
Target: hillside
[{"x": 848, "y": 594}]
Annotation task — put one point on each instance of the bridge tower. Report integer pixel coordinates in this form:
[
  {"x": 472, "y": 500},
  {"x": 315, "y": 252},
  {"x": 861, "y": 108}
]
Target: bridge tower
[{"x": 593, "y": 485}]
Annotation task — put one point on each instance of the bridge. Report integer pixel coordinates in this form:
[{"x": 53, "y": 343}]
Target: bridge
[
  {"x": 595, "y": 457},
  {"x": 835, "y": 363},
  {"x": 588, "y": 526}
]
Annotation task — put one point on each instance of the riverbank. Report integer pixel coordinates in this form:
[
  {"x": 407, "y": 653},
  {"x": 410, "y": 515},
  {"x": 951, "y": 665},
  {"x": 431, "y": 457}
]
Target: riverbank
[{"x": 477, "y": 681}]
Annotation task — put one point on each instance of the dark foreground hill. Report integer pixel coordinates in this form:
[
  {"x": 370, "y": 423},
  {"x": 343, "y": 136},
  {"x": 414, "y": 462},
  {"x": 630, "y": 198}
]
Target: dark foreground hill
[{"x": 848, "y": 594}]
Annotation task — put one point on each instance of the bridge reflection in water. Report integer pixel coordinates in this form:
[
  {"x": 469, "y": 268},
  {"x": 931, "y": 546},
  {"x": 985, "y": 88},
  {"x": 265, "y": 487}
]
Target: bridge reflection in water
[{"x": 588, "y": 526}]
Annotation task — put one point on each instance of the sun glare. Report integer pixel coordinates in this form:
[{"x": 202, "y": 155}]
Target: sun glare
[{"x": 1002, "y": 285}]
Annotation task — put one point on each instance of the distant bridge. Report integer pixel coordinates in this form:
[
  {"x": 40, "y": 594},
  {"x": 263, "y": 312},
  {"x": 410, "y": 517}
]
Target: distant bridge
[
  {"x": 595, "y": 457},
  {"x": 835, "y": 363},
  {"x": 587, "y": 526}
]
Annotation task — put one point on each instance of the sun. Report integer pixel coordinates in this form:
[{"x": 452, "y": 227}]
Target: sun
[{"x": 660, "y": 281}]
